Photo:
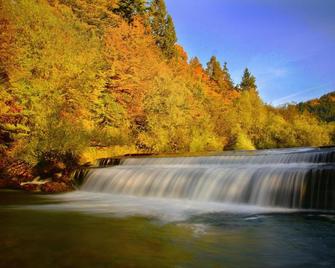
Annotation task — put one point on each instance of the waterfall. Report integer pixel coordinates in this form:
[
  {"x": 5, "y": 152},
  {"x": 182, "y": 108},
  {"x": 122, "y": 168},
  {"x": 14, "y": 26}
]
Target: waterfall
[{"x": 303, "y": 178}]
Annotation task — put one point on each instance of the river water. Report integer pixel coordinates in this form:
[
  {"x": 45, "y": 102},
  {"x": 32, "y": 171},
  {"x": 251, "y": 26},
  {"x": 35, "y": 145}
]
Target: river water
[{"x": 114, "y": 220}]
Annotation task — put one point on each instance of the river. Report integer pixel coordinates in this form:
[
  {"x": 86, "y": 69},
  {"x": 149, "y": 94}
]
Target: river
[{"x": 264, "y": 209}]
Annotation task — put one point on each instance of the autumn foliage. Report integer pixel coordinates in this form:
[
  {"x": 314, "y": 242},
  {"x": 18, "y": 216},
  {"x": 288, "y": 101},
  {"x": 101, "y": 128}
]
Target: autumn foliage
[{"x": 79, "y": 74}]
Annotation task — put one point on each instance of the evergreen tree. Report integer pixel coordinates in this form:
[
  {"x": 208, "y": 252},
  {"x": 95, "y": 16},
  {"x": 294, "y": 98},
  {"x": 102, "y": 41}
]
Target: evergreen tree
[
  {"x": 129, "y": 8},
  {"x": 227, "y": 76},
  {"x": 195, "y": 62},
  {"x": 248, "y": 81},
  {"x": 220, "y": 76},
  {"x": 107, "y": 85},
  {"x": 162, "y": 28},
  {"x": 214, "y": 69}
]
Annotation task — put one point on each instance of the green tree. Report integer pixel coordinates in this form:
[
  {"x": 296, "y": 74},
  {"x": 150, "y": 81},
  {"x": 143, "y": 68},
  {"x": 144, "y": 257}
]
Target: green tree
[
  {"x": 227, "y": 76},
  {"x": 127, "y": 9},
  {"x": 162, "y": 28},
  {"x": 248, "y": 81}
]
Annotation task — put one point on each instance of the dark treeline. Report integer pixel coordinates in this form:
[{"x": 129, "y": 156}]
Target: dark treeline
[{"x": 83, "y": 79}]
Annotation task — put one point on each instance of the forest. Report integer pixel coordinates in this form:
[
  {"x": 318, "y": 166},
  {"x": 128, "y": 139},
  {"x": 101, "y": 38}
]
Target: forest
[{"x": 81, "y": 80}]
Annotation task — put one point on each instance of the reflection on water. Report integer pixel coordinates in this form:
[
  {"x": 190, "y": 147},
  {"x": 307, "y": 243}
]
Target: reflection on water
[{"x": 67, "y": 231}]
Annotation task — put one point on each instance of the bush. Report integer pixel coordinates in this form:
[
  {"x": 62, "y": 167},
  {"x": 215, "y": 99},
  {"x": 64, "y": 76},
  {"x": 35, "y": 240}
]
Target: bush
[{"x": 243, "y": 142}]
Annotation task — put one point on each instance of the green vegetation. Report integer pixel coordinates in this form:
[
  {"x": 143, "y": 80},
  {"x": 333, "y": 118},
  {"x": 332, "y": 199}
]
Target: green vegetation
[
  {"x": 81, "y": 78},
  {"x": 162, "y": 27},
  {"x": 248, "y": 81},
  {"x": 323, "y": 108}
]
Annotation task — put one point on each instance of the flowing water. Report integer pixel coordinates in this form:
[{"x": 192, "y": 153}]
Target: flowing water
[
  {"x": 277, "y": 178},
  {"x": 272, "y": 208}
]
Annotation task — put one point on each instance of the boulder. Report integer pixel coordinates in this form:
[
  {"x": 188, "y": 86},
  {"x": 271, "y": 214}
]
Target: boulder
[
  {"x": 3, "y": 183},
  {"x": 55, "y": 187},
  {"x": 31, "y": 187},
  {"x": 13, "y": 183}
]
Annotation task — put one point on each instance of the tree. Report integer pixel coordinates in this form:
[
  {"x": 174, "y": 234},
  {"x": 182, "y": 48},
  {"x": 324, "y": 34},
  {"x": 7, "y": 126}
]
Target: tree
[
  {"x": 248, "y": 81},
  {"x": 134, "y": 61},
  {"x": 162, "y": 28},
  {"x": 80, "y": 76},
  {"x": 214, "y": 68},
  {"x": 227, "y": 76},
  {"x": 196, "y": 68},
  {"x": 11, "y": 118},
  {"x": 98, "y": 14},
  {"x": 127, "y": 9},
  {"x": 323, "y": 108},
  {"x": 220, "y": 76}
]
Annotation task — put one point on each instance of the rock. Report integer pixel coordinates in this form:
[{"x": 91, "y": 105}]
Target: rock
[
  {"x": 13, "y": 184},
  {"x": 52, "y": 169},
  {"x": 65, "y": 179},
  {"x": 55, "y": 187},
  {"x": 3, "y": 183},
  {"x": 20, "y": 170},
  {"x": 57, "y": 176},
  {"x": 31, "y": 187}
]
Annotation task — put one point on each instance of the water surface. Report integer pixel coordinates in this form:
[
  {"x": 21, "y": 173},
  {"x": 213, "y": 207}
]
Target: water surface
[{"x": 95, "y": 230}]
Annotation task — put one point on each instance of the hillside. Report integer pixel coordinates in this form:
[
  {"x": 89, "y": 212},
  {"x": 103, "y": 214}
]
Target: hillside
[
  {"x": 323, "y": 107},
  {"x": 84, "y": 79}
]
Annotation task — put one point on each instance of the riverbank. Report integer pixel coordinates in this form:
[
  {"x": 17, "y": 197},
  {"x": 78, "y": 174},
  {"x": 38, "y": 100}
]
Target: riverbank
[{"x": 19, "y": 175}]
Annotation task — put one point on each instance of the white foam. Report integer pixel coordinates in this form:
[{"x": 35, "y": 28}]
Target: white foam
[{"x": 167, "y": 210}]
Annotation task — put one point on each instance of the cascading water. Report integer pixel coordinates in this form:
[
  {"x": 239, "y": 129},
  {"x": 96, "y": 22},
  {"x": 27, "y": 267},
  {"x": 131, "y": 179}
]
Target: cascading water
[{"x": 303, "y": 178}]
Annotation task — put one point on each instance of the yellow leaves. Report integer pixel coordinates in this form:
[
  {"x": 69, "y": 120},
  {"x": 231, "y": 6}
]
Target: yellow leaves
[
  {"x": 91, "y": 154},
  {"x": 309, "y": 131},
  {"x": 81, "y": 72},
  {"x": 135, "y": 61},
  {"x": 204, "y": 139},
  {"x": 243, "y": 142}
]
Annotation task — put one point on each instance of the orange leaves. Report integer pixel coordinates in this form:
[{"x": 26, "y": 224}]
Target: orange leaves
[
  {"x": 181, "y": 54},
  {"x": 134, "y": 61},
  {"x": 196, "y": 69},
  {"x": 76, "y": 66}
]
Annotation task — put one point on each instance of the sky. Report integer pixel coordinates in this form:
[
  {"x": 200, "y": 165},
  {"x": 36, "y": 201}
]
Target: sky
[{"x": 289, "y": 45}]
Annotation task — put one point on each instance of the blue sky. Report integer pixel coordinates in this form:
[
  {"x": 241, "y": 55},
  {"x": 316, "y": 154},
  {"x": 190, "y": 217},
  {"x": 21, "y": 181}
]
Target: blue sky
[{"x": 289, "y": 45}]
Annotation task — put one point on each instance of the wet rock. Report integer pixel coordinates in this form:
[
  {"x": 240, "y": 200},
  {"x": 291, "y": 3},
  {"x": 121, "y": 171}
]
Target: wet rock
[
  {"x": 3, "y": 183},
  {"x": 57, "y": 176},
  {"x": 56, "y": 187},
  {"x": 65, "y": 179},
  {"x": 13, "y": 183},
  {"x": 31, "y": 187}
]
